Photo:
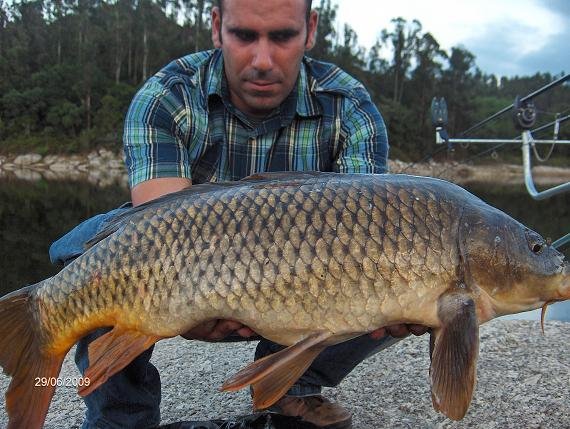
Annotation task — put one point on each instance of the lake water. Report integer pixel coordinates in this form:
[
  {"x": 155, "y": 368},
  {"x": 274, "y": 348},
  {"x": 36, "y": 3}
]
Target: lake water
[{"x": 33, "y": 214}]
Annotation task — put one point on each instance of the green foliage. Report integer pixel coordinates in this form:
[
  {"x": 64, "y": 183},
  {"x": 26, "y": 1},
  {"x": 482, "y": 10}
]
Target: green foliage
[
  {"x": 68, "y": 71},
  {"x": 326, "y": 33},
  {"x": 65, "y": 117},
  {"x": 485, "y": 106},
  {"x": 109, "y": 117},
  {"x": 399, "y": 122}
]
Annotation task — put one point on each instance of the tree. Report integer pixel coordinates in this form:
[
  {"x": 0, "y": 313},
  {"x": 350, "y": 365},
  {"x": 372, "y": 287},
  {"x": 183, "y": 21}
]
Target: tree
[
  {"x": 457, "y": 87},
  {"x": 56, "y": 11},
  {"x": 27, "y": 50},
  {"x": 3, "y": 36},
  {"x": 69, "y": 68},
  {"x": 402, "y": 40},
  {"x": 423, "y": 84},
  {"x": 326, "y": 34},
  {"x": 350, "y": 56},
  {"x": 3, "y": 24}
]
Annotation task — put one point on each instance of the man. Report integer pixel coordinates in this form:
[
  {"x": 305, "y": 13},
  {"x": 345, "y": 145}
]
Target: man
[{"x": 254, "y": 104}]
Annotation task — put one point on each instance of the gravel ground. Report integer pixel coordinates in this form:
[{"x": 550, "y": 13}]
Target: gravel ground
[{"x": 523, "y": 382}]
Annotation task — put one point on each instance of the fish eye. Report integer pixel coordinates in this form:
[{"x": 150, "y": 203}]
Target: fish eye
[{"x": 535, "y": 242}]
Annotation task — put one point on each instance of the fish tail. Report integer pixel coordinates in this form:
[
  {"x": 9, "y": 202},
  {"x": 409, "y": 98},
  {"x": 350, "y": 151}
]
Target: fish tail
[{"x": 34, "y": 373}]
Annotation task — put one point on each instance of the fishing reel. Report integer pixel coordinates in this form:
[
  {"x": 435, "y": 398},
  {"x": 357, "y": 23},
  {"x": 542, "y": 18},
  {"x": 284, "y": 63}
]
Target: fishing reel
[
  {"x": 439, "y": 120},
  {"x": 524, "y": 114},
  {"x": 438, "y": 112}
]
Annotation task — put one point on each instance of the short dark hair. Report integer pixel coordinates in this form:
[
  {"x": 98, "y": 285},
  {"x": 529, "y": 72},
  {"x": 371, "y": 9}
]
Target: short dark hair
[{"x": 308, "y": 4}]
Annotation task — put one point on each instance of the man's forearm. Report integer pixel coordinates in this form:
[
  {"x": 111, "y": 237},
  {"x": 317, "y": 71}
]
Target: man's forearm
[{"x": 154, "y": 188}]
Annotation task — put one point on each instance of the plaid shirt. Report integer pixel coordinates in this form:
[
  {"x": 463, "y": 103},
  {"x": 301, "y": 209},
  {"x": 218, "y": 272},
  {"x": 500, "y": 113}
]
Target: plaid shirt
[{"x": 181, "y": 123}]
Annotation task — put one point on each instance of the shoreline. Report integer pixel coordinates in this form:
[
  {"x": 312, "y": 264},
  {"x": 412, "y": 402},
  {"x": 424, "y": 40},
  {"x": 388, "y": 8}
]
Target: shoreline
[
  {"x": 104, "y": 167},
  {"x": 101, "y": 167}
]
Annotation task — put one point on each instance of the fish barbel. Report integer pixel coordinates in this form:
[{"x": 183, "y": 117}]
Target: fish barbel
[{"x": 306, "y": 260}]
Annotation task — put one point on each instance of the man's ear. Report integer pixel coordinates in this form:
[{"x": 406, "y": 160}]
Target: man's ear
[
  {"x": 312, "y": 30},
  {"x": 217, "y": 27}
]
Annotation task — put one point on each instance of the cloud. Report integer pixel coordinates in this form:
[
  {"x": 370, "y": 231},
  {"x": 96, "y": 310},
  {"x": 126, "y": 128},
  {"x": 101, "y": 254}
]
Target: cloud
[
  {"x": 508, "y": 47},
  {"x": 553, "y": 57},
  {"x": 508, "y": 37},
  {"x": 559, "y": 7}
]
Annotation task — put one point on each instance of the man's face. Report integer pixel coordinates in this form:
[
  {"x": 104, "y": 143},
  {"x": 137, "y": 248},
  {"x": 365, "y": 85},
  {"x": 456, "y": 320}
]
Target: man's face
[{"x": 263, "y": 43}]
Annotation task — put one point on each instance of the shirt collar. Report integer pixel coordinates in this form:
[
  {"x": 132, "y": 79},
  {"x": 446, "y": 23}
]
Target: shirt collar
[
  {"x": 215, "y": 75},
  {"x": 307, "y": 104}
]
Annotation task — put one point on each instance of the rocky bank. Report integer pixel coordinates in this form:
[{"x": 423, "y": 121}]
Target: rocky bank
[
  {"x": 101, "y": 167},
  {"x": 104, "y": 167}
]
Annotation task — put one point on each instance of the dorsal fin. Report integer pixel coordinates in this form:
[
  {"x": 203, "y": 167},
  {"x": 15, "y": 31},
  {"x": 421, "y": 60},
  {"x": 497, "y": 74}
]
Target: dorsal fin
[
  {"x": 259, "y": 178},
  {"x": 288, "y": 178},
  {"x": 112, "y": 226},
  {"x": 284, "y": 176},
  {"x": 124, "y": 217}
]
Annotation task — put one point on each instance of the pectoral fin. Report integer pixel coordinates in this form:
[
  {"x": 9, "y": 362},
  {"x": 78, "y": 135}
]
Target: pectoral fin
[
  {"x": 273, "y": 375},
  {"x": 454, "y": 349},
  {"x": 110, "y": 353}
]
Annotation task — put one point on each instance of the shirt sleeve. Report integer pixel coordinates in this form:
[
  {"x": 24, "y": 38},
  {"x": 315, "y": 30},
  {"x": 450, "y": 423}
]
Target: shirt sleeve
[
  {"x": 363, "y": 142},
  {"x": 152, "y": 139}
]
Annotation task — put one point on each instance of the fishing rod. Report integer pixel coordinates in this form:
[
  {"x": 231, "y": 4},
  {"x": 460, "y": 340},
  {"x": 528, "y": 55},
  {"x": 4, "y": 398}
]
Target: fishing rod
[
  {"x": 556, "y": 123},
  {"x": 561, "y": 242},
  {"x": 502, "y": 143},
  {"x": 523, "y": 100},
  {"x": 524, "y": 116}
]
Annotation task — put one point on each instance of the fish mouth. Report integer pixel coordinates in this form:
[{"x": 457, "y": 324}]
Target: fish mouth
[
  {"x": 566, "y": 280},
  {"x": 563, "y": 292}
]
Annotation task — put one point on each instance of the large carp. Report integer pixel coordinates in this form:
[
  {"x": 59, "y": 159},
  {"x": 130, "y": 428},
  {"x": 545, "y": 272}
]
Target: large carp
[{"x": 304, "y": 259}]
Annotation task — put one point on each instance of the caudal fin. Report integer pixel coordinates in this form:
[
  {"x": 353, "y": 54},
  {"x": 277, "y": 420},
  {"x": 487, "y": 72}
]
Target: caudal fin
[{"x": 34, "y": 374}]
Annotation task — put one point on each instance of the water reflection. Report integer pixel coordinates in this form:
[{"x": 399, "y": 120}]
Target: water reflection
[{"x": 33, "y": 214}]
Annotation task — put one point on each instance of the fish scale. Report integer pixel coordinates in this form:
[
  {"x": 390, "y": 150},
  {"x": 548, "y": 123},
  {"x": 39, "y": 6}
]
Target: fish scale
[{"x": 303, "y": 259}]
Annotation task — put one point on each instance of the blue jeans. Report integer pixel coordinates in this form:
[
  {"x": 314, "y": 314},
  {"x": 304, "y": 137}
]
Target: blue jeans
[{"x": 131, "y": 398}]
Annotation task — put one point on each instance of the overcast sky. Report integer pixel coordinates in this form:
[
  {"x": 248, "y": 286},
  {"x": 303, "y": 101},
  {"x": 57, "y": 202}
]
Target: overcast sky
[{"x": 508, "y": 37}]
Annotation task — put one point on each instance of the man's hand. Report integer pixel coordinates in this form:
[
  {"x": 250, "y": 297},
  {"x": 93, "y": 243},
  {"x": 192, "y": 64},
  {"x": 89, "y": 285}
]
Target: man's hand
[
  {"x": 217, "y": 330},
  {"x": 399, "y": 331}
]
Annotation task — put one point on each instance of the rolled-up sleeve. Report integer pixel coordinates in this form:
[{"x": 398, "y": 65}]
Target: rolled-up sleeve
[
  {"x": 363, "y": 142},
  {"x": 153, "y": 138}
]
